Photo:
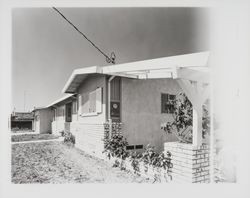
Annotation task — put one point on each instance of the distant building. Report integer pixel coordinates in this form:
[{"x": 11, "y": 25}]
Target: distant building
[
  {"x": 22, "y": 121},
  {"x": 42, "y": 119}
]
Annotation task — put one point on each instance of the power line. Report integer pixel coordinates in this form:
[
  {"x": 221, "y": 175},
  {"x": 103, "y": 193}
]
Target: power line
[{"x": 109, "y": 59}]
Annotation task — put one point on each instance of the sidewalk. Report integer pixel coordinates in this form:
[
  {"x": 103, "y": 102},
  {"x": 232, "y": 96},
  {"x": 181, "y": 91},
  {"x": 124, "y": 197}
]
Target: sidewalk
[
  {"x": 25, "y": 133},
  {"x": 38, "y": 141}
]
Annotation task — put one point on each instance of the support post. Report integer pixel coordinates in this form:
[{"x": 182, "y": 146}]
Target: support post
[
  {"x": 197, "y": 97},
  {"x": 197, "y": 125}
]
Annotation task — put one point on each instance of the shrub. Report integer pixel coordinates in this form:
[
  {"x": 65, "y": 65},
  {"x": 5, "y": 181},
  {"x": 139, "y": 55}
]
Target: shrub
[
  {"x": 159, "y": 160},
  {"x": 69, "y": 138},
  {"x": 135, "y": 159},
  {"x": 116, "y": 147},
  {"x": 183, "y": 118}
]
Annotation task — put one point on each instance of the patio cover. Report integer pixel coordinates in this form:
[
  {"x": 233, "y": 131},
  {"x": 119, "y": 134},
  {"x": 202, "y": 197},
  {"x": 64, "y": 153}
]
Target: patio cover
[{"x": 190, "y": 71}]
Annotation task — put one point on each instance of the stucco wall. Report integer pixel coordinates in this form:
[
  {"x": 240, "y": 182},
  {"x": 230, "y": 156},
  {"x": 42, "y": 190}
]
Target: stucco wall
[
  {"x": 141, "y": 111},
  {"x": 45, "y": 120},
  {"x": 58, "y": 123},
  {"x": 42, "y": 123},
  {"x": 36, "y": 122}
]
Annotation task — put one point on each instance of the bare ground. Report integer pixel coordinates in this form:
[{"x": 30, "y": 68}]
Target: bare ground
[{"x": 55, "y": 162}]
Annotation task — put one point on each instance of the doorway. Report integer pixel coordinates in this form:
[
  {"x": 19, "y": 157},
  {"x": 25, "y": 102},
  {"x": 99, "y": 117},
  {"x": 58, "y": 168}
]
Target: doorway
[{"x": 68, "y": 113}]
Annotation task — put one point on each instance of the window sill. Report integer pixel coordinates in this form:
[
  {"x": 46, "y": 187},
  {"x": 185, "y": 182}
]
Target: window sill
[{"x": 88, "y": 114}]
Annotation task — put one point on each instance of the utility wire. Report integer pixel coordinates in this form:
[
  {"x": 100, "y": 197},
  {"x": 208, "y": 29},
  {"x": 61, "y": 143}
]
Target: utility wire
[{"x": 110, "y": 59}]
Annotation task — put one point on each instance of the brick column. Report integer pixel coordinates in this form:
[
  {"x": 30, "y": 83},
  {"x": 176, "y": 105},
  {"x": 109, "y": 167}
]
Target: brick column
[{"x": 190, "y": 163}]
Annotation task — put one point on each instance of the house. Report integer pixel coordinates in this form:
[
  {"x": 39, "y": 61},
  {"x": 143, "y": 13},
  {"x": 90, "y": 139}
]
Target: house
[
  {"x": 42, "y": 119},
  {"x": 22, "y": 121},
  {"x": 138, "y": 95}
]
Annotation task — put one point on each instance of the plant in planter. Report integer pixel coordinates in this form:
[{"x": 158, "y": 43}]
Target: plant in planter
[{"x": 181, "y": 125}]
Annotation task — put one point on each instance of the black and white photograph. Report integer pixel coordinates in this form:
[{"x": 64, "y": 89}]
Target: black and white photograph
[{"x": 125, "y": 95}]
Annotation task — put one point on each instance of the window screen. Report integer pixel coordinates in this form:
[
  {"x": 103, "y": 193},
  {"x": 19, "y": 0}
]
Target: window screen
[{"x": 167, "y": 103}]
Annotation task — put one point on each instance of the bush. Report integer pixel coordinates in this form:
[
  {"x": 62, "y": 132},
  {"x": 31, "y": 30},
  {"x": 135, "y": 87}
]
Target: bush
[
  {"x": 69, "y": 138},
  {"x": 183, "y": 118},
  {"x": 116, "y": 147}
]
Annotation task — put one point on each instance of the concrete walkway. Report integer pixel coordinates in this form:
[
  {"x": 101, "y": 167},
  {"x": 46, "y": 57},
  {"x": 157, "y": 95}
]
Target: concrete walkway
[{"x": 39, "y": 141}]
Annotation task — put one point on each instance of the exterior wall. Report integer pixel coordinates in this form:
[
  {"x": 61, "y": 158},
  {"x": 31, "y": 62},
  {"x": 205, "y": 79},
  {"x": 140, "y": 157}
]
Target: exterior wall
[
  {"x": 36, "y": 122},
  {"x": 45, "y": 120},
  {"x": 141, "y": 111},
  {"x": 89, "y": 130},
  {"x": 89, "y": 137},
  {"x": 190, "y": 163},
  {"x": 89, "y": 85},
  {"x": 58, "y": 123}
]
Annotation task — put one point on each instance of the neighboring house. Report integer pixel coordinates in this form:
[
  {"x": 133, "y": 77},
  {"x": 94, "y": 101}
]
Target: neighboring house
[
  {"x": 63, "y": 111},
  {"x": 43, "y": 119},
  {"x": 136, "y": 94},
  {"x": 22, "y": 121}
]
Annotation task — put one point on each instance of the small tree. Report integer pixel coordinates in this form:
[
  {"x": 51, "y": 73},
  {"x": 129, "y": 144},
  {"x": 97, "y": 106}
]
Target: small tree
[{"x": 183, "y": 119}]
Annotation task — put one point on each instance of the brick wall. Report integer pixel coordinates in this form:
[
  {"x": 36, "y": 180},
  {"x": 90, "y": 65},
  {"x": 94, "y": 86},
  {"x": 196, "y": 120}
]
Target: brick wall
[
  {"x": 190, "y": 163},
  {"x": 89, "y": 137}
]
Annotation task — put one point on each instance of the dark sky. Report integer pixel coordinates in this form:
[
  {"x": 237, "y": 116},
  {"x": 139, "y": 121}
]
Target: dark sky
[{"x": 46, "y": 49}]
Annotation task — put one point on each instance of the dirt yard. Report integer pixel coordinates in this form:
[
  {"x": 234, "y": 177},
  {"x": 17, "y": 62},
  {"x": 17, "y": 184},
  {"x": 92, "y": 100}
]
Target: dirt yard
[{"x": 54, "y": 162}]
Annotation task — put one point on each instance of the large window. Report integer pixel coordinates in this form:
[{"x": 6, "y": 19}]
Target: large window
[
  {"x": 90, "y": 102},
  {"x": 167, "y": 103}
]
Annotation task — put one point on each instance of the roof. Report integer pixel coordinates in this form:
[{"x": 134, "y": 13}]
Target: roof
[
  {"x": 60, "y": 100},
  {"x": 188, "y": 66},
  {"x": 78, "y": 76},
  {"x": 38, "y": 108},
  {"x": 22, "y": 116}
]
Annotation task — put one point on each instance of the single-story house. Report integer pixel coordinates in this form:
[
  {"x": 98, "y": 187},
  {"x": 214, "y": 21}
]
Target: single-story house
[
  {"x": 138, "y": 95},
  {"x": 22, "y": 121},
  {"x": 42, "y": 119}
]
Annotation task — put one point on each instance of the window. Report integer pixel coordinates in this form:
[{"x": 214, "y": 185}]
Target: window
[
  {"x": 133, "y": 147},
  {"x": 167, "y": 103},
  {"x": 115, "y": 98},
  {"x": 90, "y": 102}
]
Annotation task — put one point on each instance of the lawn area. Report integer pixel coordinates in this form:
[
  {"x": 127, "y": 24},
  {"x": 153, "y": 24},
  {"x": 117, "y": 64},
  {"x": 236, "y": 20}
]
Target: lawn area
[
  {"x": 32, "y": 137},
  {"x": 55, "y": 162}
]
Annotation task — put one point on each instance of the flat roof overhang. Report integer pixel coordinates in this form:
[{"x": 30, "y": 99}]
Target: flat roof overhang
[
  {"x": 60, "y": 100},
  {"x": 188, "y": 66},
  {"x": 78, "y": 76}
]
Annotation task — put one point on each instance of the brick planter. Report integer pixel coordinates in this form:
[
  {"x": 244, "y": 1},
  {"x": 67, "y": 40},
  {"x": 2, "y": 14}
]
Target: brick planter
[{"x": 190, "y": 163}]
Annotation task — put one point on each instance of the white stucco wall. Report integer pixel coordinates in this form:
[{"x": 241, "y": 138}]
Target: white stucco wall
[
  {"x": 43, "y": 121},
  {"x": 141, "y": 111}
]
